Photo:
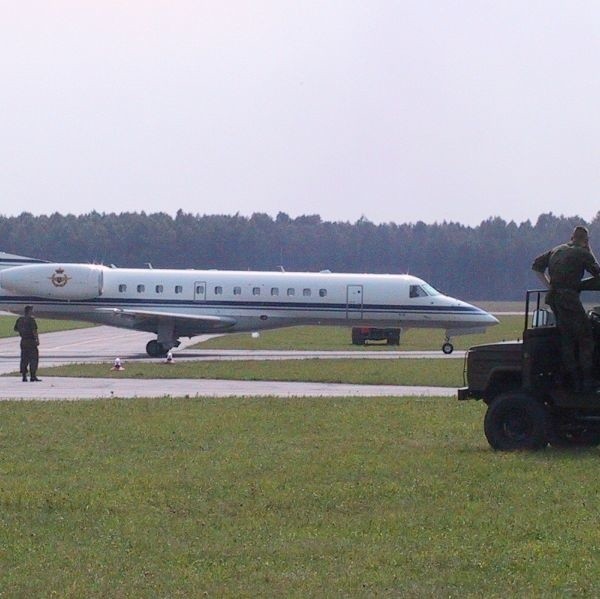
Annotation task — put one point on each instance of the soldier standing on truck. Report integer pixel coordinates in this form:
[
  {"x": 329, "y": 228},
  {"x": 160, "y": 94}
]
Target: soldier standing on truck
[{"x": 566, "y": 265}]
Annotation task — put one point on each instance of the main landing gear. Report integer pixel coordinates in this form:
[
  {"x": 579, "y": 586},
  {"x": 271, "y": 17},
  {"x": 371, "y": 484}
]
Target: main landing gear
[
  {"x": 166, "y": 339},
  {"x": 155, "y": 349}
]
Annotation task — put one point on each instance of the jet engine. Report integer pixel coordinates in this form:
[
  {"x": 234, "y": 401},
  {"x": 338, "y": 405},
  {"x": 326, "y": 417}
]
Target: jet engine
[{"x": 55, "y": 281}]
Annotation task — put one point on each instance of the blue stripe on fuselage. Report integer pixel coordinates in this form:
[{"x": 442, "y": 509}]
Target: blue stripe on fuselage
[{"x": 240, "y": 305}]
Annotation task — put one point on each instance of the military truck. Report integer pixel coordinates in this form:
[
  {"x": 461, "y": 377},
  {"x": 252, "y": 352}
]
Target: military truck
[{"x": 529, "y": 407}]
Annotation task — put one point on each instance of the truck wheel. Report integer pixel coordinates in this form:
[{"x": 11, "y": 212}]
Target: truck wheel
[
  {"x": 357, "y": 337},
  {"x": 516, "y": 421},
  {"x": 565, "y": 437},
  {"x": 393, "y": 338}
]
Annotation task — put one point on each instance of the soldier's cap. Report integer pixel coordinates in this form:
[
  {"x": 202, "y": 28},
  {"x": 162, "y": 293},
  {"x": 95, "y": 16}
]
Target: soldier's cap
[
  {"x": 28, "y": 308},
  {"x": 580, "y": 233}
]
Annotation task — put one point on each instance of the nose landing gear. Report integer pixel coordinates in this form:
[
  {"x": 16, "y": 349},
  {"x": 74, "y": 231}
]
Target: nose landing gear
[{"x": 447, "y": 347}]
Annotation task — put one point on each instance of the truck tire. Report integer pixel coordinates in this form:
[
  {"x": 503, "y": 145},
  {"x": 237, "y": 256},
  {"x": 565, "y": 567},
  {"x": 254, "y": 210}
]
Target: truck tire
[
  {"x": 515, "y": 421},
  {"x": 393, "y": 338},
  {"x": 357, "y": 337}
]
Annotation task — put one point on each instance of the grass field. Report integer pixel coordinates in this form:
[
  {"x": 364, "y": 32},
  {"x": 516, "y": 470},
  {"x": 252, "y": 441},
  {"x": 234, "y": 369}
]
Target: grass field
[
  {"x": 44, "y": 325},
  {"x": 335, "y": 338},
  {"x": 430, "y": 372},
  {"x": 296, "y": 498}
]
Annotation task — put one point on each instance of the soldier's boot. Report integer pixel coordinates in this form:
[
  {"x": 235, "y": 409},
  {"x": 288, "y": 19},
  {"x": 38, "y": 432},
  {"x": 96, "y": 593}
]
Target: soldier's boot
[{"x": 25, "y": 378}]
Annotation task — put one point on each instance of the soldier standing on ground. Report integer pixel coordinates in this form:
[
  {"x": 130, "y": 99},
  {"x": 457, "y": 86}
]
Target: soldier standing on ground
[
  {"x": 566, "y": 264},
  {"x": 27, "y": 329}
]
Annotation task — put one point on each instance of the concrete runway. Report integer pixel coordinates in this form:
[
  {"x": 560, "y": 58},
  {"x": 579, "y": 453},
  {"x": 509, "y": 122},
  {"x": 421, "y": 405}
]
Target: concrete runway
[{"x": 104, "y": 344}]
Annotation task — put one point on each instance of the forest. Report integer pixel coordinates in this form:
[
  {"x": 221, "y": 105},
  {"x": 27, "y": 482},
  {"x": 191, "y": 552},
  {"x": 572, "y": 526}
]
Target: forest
[{"x": 491, "y": 261}]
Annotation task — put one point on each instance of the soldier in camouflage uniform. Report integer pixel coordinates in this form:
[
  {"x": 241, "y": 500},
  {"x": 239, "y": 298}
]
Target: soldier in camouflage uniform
[
  {"x": 566, "y": 265},
  {"x": 27, "y": 329}
]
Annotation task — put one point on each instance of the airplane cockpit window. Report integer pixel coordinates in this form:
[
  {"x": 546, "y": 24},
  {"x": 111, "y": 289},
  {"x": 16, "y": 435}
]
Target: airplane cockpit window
[
  {"x": 417, "y": 291},
  {"x": 422, "y": 290},
  {"x": 159, "y": 289},
  {"x": 218, "y": 290},
  {"x": 237, "y": 291},
  {"x": 141, "y": 288},
  {"x": 322, "y": 292},
  {"x": 255, "y": 290},
  {"x": 430, "y": 290},
  {"x": 178, "y": 289},
  {"x": 122, "y": 288}
]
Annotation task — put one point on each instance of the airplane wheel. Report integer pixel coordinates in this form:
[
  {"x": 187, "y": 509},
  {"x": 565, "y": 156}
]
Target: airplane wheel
[
  {"x": 447, "y": 348},
  {"x": 155, "y": 349}
]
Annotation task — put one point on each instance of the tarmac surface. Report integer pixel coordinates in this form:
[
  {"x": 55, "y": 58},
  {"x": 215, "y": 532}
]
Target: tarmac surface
[{"x": 104, "y": 344}]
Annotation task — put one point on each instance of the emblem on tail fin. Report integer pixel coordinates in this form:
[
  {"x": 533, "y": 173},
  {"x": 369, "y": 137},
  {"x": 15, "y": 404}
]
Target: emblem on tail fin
[{"x": 59, "y": 278}]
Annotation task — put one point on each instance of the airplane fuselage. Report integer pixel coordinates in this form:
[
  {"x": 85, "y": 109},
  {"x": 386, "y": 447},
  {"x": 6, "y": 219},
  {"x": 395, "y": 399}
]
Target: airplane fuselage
[{"x": 176, "y": 303}]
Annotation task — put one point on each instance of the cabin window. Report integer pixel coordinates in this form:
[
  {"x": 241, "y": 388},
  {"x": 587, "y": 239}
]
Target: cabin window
[
  {"x": 199, "y": 289},
  {"x": 306, "y": 292},
  {"x": 218, "y": 290},
  {"x": 122, "y": 288},
  {"x": 291, "y": 291},
  {"x": 141, "y": 288},
  {"x": 274, "y": 291},
  {"x": 255, "y": 290},
  {"x": 237, "y": 291},
  {"x": 178, "y": 289},
  {"x": 159, "y": 289},
  {"x": 322, "y": 292}
]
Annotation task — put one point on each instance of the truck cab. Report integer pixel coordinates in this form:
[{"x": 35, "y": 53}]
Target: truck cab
[{"x": 521, "y": 382}]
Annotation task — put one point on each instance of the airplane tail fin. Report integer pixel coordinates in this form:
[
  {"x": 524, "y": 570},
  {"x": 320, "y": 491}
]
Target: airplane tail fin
[{"x": 8, "y": 260}]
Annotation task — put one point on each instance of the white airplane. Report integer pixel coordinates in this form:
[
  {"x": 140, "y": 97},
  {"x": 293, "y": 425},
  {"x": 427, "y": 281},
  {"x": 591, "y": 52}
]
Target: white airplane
[{"x": 184, "y": 303}]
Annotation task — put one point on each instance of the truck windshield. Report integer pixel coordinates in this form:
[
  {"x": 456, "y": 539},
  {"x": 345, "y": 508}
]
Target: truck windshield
[{"x": 422, "y": 290}]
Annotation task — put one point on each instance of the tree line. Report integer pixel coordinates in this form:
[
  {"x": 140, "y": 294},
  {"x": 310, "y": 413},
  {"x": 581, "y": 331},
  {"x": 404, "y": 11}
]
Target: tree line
[{"x": 491, "y": 261}]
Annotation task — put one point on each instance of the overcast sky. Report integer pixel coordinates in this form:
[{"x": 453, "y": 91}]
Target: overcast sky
[{"x": 396, "y": 111}]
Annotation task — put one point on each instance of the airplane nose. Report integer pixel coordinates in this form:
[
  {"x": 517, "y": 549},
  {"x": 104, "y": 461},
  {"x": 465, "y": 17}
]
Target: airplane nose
[{"x": 491, "y": 319}]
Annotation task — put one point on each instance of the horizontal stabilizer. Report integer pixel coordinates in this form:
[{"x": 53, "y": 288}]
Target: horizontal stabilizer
[{"x": 9, "y": 260}]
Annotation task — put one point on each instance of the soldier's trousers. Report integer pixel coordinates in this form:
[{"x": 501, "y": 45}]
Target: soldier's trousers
[
  {"x": 576, "y": 337},
  {"x": 29, "y": 359}
]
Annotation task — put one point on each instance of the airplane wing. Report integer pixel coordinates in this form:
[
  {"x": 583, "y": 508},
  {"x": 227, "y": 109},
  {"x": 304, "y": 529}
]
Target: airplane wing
[{"x": 186, "y": 323}]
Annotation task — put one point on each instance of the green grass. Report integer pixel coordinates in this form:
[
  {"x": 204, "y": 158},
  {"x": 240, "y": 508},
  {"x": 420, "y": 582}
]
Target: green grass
[
  {"x": 295, "y": 498},
  {"x": 431, "y": 372},
  {"x": 44, "y": 325},
  {"x": 337, "y": 338}
]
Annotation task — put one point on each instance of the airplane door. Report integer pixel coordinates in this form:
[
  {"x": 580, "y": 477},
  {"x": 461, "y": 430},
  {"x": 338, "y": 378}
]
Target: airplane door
[
  {"x": 199, "y": 291},
  {"x": 354, "y": 302}
]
